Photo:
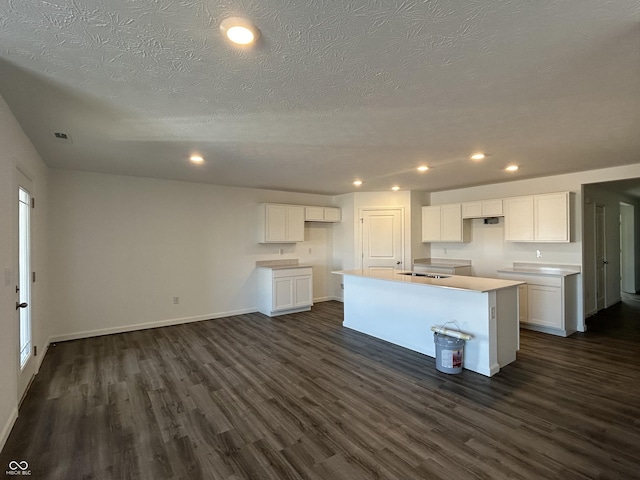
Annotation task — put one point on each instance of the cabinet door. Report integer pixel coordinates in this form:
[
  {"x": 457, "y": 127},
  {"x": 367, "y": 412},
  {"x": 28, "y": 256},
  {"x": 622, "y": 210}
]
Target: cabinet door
[
  {"x": 303, "y": 291},
  {"x": 331, "y": 214},
  {"x": 492, "y": 208},
  {"x": 472, "y": 210},
  {"x": 544, "y": 306},
  {"x": 276, "y": 223},
  {"x": 518, "y": 219},
  {"x": 283, "y": 297},
  {"x": 551, "y": 221},
  {"x": 451, "y": 223},
  {"x": 295, "y": 223},
  {"x": 314, "y": 214},
  {"x": 431, "y": 224}
]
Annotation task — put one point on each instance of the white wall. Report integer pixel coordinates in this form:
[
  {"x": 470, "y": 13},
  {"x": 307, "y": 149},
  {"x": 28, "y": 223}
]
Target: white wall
[
  {"x": 123, "y": 247},
  {"x": 17, "y": 151}
]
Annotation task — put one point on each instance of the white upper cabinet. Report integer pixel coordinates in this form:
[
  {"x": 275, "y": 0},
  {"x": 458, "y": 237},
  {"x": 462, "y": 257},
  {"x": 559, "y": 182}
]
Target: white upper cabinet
[
  {"x": 431, "y": 224},
  {"x": 551, "y": 220},
  {"x": 518, "y": 219},
  {"x": 281, "y": 223},
  {"x": 538, "y": 218},
  {"x": 492, "y": 208},
  {"x": 482, "y": 209},
  {"x": 321, "y": 214},
  {"x": 443, "y": 223}
]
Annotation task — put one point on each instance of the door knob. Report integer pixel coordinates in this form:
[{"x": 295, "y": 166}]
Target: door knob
[
  {"x": 21, "y": 305},
  {"x": 398, "y": 262},
  {"x": 606, "y": 262}
]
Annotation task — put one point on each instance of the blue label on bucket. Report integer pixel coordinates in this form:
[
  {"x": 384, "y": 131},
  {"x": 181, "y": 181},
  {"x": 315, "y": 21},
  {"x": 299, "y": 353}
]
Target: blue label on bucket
[{"x": 451, "y": 358}]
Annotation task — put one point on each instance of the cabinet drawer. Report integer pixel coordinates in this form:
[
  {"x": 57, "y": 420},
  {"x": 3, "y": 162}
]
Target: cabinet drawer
[
  {"x": 291, "y": 272},
  {"x": 533, "y": 279}
]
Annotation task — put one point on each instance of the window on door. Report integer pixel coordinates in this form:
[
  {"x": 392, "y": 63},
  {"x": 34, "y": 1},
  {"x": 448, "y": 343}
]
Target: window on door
[{"x": 24, "y": 284}]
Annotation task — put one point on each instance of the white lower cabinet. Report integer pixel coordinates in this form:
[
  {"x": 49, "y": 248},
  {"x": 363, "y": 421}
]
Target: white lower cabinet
[
  {"x": 544, "y": 306},
  {"x": 547, "y": 303},
  {"x": 286, "y": 290}
]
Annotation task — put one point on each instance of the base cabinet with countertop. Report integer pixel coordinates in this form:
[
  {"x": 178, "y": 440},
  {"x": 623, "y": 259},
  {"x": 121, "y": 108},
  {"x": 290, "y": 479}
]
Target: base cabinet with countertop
[
  {"x": 400, "y": 308},
  {"x": 548, "y": 300},
  {"x": 285, "y": 290}
]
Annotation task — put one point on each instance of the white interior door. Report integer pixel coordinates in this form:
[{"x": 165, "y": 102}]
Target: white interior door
[
  {"x": 601, "y": 261},
  {"x": 26, "y": 364},
  {"x": 382, "y": 235}
]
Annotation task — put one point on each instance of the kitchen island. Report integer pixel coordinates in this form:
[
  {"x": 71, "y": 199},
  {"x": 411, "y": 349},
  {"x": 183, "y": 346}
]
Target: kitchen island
[{"x": 400, "y": 308}]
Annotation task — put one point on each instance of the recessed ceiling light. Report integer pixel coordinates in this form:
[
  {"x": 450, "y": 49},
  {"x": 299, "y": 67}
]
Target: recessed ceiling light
[
  {"x": 196, "y": 159},
  {"x": 511, "y": 168},
  {"x": 357, "y": 183},
  {"x": 477, "y": 156},
  {"x": 395, "y": 188},
  {"x": 423, "y": 168},
  {"x": 239, "y": 30}
]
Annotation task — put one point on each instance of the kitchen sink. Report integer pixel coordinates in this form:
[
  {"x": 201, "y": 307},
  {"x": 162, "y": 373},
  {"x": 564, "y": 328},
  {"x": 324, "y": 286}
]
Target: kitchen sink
[{"x": 427, "y": 275}]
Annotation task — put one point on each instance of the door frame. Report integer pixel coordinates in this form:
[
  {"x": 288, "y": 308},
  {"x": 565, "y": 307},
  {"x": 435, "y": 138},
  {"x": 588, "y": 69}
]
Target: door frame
[
  {"x": 359, "y": 250},
  {"x": 603, "y": 207},
  {"x": 24, "y": 375},
  {"x": 627, "y": 248}
]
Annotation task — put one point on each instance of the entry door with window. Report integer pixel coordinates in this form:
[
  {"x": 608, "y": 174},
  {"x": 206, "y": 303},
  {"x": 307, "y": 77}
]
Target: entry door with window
[
  {"x": 382, "y": 235},
  {"x": 23, "y": 288}
]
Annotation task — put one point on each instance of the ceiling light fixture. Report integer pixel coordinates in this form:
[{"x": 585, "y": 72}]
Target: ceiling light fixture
[
  {"x": 196, "y": 159},
  {"x": 357, "y": 183},
  {"x": 478, "y": 156},
  {"x": 511, "y": 168},
  {"x": 423, "y": 168},
  {"x": 239, "y": 30},
  {"x": 395, "y": 188}
]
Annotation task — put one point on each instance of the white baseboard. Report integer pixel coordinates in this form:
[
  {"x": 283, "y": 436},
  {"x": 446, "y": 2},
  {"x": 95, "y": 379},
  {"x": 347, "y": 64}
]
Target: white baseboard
[
  {"x": 6, "y": 430},
  {"x": 327, "y": 299},
  {"x": 323, "y": 299},
  {"x": 145, "y": 326}
]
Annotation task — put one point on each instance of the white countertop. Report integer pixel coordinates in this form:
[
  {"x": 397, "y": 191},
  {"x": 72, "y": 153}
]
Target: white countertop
[
  {"x": 280, "y": 264},
  {"x": 457, "y": 282},
  {"x": 541, "y": 269}
]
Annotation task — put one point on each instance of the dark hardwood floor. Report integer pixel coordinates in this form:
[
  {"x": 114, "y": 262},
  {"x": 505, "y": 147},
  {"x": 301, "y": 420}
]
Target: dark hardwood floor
[{"x": 300, "y": 396}]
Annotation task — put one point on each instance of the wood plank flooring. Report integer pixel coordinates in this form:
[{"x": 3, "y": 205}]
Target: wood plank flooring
[{"x": 301, "y": 397}]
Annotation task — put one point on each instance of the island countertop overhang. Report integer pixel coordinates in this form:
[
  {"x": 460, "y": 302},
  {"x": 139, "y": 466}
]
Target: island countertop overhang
[{"x": 456, "y": 282}]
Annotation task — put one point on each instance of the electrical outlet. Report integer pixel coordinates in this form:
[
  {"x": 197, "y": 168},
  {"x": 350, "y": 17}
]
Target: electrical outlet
[
  {"x": 176, "y": 300},
  {"x": 281, "y": 251},
  {"x": 538, "y": 254},
  {"x": 493, "y": 312},
  {"x": 445, "y": 251},
  {"x": 309, "y": 251}
]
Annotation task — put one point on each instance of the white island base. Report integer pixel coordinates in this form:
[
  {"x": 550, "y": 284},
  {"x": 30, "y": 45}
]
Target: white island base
[{"x": 401, "y": 310}]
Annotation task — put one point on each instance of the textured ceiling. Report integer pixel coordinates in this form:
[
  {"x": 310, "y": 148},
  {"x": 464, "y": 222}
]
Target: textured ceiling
[{"x": 333, "y": 90}]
